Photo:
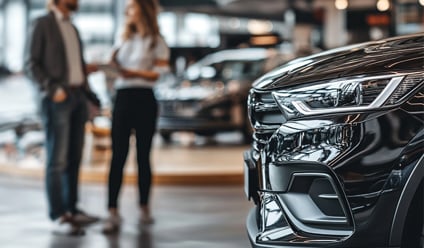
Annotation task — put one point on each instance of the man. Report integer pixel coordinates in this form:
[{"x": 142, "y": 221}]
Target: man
[{"x": 54, "y": 61}]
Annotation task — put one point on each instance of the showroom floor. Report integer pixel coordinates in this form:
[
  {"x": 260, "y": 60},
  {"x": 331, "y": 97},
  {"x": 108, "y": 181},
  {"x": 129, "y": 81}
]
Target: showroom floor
[{"x": 185, "y": 217}]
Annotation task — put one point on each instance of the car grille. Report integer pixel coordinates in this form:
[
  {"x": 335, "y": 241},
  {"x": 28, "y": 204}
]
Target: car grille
[{"x": 265, "y": 117}]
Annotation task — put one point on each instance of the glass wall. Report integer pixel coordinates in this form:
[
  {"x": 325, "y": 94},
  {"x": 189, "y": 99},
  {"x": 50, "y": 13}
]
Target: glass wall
[
  {"x": 13, "y": 33},
  {"x": 2, "y": 37},
  {"x": 95, "y": 22}
]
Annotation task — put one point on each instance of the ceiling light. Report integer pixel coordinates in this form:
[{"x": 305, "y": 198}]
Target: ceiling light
[
  {"x": 383, "y": 5},
  {"x": 259, "y": 27},
  {"x": 341, "y": 4}
]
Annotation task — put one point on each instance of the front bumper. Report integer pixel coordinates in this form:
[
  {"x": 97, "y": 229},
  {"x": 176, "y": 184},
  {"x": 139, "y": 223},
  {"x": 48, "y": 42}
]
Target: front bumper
[
  {"x": 252, "y": 231},
  {"x": 306, "y": 209},
  {"x": 303, "y": 203}
]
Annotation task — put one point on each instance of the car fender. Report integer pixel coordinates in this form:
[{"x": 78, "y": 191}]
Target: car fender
[{"x": 408, "y": 192}]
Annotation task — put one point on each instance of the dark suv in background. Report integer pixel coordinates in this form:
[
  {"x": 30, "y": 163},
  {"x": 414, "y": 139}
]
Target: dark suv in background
[
  {"x": 211, "y": 97},
  {"x": 337, "y": 156}
]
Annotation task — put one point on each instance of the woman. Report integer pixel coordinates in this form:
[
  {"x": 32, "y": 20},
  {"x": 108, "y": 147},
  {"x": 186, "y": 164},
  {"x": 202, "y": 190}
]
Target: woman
[{"x": 141, "y": 56}]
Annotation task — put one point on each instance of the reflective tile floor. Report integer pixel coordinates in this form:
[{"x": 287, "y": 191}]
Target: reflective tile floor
[{"x": 185, "y": 217}]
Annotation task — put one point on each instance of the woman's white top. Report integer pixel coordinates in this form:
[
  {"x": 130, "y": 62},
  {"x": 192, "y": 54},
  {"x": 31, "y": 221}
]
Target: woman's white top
[{"x": 136, "y": 53}]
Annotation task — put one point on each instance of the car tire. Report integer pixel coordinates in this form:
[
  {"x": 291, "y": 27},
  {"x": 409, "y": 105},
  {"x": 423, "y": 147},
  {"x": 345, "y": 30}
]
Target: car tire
[{"x": 166, "y": 137}]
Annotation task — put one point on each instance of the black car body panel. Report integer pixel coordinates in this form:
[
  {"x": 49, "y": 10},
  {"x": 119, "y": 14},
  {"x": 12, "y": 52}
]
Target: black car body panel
[
  {"x": 337, "y": 157},
  {"x": 371, "y": 58}
]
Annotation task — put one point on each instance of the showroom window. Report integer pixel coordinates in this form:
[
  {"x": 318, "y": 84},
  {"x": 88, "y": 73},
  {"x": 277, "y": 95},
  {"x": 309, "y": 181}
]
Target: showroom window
[
  {"x": 179, "y": 31},
  {"x": 13, "y": 33},
  {"x": 2, "y": 39}
]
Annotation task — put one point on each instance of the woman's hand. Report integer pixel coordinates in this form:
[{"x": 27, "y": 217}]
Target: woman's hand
[
  {"x": 149, "y": 75},
  {"x": 128, "y": 73}
]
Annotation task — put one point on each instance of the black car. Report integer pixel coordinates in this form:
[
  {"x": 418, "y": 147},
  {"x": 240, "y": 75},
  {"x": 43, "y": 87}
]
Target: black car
[
  {"x": 337, "y": 156},
  {"x": 211, "y": 97}
]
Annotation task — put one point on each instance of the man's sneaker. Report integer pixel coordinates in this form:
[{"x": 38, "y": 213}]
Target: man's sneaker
[
  {"x": 112, "y": 224},
  {"x": 65, "y": 226},
  {"x": 81, "y": 218}
]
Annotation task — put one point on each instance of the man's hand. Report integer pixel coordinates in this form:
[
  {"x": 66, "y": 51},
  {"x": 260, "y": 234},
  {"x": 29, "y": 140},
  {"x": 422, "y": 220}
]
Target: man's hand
[
  {"x": 90, "y": 68},
  {"x": 59, "y": 95}
]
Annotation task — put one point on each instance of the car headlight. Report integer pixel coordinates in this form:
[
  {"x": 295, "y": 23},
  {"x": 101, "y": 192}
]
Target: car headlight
[{"x": 345, "y": 95}]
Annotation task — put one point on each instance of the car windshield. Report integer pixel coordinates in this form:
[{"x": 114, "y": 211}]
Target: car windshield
[{"x": 225, "y": 70}]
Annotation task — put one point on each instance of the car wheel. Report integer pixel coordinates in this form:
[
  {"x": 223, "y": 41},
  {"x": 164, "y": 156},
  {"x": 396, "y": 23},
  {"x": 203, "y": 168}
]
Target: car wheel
[
  {"x": 166, "y": 137},
  {"x": 205, "y": 133}
]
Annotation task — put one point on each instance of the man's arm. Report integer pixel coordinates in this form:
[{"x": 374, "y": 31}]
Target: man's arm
[{"x": 33, "y": 59}]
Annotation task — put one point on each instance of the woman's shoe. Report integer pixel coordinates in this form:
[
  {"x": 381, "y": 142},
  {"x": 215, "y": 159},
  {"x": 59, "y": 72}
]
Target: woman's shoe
[
  {"x": 112, "y": 224},
  {"x": 147, "y": 220}
]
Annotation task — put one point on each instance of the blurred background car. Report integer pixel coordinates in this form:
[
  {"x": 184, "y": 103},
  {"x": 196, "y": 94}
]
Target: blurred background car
[
  {"x": 337, "y": 156},
  {"x": 211, "y": 96}
]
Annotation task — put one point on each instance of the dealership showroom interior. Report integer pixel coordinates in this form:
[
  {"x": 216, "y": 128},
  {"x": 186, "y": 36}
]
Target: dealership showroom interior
[{"x": 211, "y": 123}]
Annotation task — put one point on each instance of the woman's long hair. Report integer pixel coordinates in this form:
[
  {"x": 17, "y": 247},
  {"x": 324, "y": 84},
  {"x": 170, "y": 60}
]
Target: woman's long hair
[{"x": 148, "y": 21}]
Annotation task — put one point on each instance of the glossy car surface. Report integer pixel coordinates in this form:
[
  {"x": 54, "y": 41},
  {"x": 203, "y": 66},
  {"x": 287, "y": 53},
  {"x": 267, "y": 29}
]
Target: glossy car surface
[
  {"x": 337, "y": 156},
  {"x": 212, "y": 95}
]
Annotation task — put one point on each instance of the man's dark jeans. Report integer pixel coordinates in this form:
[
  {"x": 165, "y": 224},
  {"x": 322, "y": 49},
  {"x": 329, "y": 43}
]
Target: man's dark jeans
[{"x": 64, "y": 124}]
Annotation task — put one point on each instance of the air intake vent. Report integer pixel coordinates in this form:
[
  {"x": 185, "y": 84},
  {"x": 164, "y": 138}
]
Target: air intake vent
[{"x": 314, "y": 206}]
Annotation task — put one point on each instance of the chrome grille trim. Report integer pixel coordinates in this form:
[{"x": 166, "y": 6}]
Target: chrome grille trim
[
  {"x": 265, "y": 107},
  {"x": 262, "y": 105}
]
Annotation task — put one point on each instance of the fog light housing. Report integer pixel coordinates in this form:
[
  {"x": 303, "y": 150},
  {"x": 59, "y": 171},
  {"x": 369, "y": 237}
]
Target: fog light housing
[{"x": 311, "y": 211}]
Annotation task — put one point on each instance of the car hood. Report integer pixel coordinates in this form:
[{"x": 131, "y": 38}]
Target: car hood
[{"x": 395, "y": 55}]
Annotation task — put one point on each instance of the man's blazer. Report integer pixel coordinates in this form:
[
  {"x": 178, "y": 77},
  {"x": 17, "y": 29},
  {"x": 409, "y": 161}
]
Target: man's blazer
[{"x": 45, "y": 61}]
